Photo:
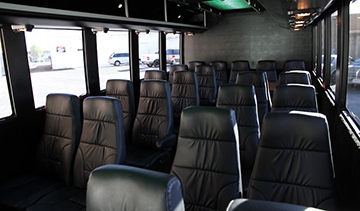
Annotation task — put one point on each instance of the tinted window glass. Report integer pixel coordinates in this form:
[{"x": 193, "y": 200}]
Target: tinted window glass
[
  {"x": 5, "y": 105},
  {"x": 56, "y": 62}
]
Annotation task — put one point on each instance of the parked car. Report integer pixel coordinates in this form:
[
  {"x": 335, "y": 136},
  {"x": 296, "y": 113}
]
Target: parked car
[
  {"x": 118, "y": 58},
  {"x": 152, "y": 60},
  {"x": 354, "y": 72}
]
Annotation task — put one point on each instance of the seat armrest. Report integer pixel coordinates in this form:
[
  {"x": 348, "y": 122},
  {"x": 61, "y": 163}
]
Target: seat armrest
[{"x": 167, "y": 142}]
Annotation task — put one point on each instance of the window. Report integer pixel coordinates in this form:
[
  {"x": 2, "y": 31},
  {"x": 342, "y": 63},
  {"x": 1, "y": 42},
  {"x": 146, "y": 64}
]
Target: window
[
  {"x": 173, "y": 49},
  {"x": 148, "y": 51},
  {"x": 113, "y": 56},
  {"x": 322, "y": 27},
  {"x": 5, "y": 105},
  {"x": 315, "y": 41},
  {"x": 334, "y": 42},
  {"x": 353, "y": 91},
  {"x": 56, "y": 62}
]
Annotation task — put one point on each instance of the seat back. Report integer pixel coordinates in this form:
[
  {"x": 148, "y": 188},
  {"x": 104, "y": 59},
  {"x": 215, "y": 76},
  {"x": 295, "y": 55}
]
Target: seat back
[
  {"x": 174, "y": 68},
  {"x": 268, "y": 66},
  {"x": 236, "y": 67},
  {"x": 207, "y": 84},
  {"x": 249, "y": 204},
  {"x": 259, "y": 81},
  {"x": 184, "y": 93},
  {"x": 294, "y": 161},
  {"x": 57, "y": 147},
  {"x": 295, "y": 77},
  {"x": 102, "y": 138},
  {"x": 242, "y": 99},
  {"x": 192, "y": 64},
  {"x": 154, "y": 117},
  {"x": 120, "y": 187},
  {"x": 294, "y": 65},
  {"x": 294, "y": 97},
  {"x": 207, "y": 158},
  {"x": 221, "y": 73},
  {"x": 155, "y": 74},
  {"x": 124, "y": 91}
]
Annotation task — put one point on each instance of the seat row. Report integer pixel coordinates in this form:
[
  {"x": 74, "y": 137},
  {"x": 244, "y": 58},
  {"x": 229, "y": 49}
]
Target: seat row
[
  {"x": 68, "y": 151},
  {"x": 293, "y": 165}
]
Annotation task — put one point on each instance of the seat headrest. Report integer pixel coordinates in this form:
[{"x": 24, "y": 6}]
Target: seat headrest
[
  {"x": 205, "y": 69},
  {"x": 294, "y": 65},
  {"x": 184, "y": 77},
  {"x": 294, "y": 97},
  {"x": 295, "y": 76},
  {"x": 154, "y": 88},
  {"x": 62, "y": 104},
  {"x": 256, "y": 78},
  {"x": 219, "y": 65},
  {"x": 243, "y": 95},
  {"x": 96, "y": 108},
  {"x": 120, "y": 187},
  {"x": 242, "y": 65},
  {"x": 176, "y": 67},
  {"x": 266, "y": 65},
  {"x": 288, "y": 123},
  {"x": 118, "y": 87},
  {"x": 155, "y": 74},
  {"x": 208, "y": 123},
  {"x": 252, "y": 205}
]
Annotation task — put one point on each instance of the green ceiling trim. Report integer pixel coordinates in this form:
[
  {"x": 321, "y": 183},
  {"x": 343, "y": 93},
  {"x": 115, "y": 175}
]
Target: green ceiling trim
[{"x": 228, "y": 4}]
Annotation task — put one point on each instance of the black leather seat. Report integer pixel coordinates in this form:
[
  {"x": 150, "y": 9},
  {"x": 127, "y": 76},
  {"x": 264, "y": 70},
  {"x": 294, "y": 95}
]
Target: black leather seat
[
  {"x": 124, "y": 91},
  {"x": 55, "y": 155},
  {"x": 193, "y": 64},
  {"x": 294, "y": 161},
  {"x": 153, "y": 141},
  {"x": 123, "y": 188},
  {"x": 260, "y": 82},
  {"x": 294, "y": 65},
  {"x": 294, "y": 97},
  {"x": 173, "y": 68},
  {"x": 221, "y": 73},
  {"x": 102, "y": 142},
  {"x": 254, "y": 205},
  {"x": 295, "y": 76},
  {"x": 155, "y": 74},
  {"x": 242, "y": 99},
  {"x": 236, "y": 67},
  {"x": 207, "y": 84},
  {"x": 268, "y": 66},
  {"x": 207, "y": 158},
  {"x": 184, "y": 93}
]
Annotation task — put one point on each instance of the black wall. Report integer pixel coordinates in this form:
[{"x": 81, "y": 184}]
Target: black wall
[{"x": 249, "y": 36}]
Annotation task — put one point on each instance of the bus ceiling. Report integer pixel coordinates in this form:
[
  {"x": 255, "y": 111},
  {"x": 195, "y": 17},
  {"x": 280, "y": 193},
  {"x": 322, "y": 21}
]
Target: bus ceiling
[{"x": 163, "y": 15}]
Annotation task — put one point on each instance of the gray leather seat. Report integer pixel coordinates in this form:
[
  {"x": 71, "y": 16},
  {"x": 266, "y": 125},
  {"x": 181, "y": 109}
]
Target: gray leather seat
[
  {"x": 207, "y": 158},
  {"x": 236, "y": 67},
  {"x": 294, "y": 161},
  {"x": 255, "y": 205},
  {"x": 260, "y": 82},
  {"x": 294, "y": 65},
  {"x": 242, "y": 99},
  {"x": 184, "y": 93},
  {"x": 54, "y": 156},
  {"x": 124, "y": 91},
  {"x": 193, "y": 64},
  {"x": 221, "y": 73},
  {"x": 120, "y": 187},
  {"x": 173, "y": 68},
  {"x": 102, "y": 142},
  {"x": 295, "y": 77},
  {"x": 207, "y": 84},
  {"x": 268, "y": 66},
  {"x": 155, "y": 74},
  {"x": 153, "y": 141},
  {"x": 294, "y": 97}
]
